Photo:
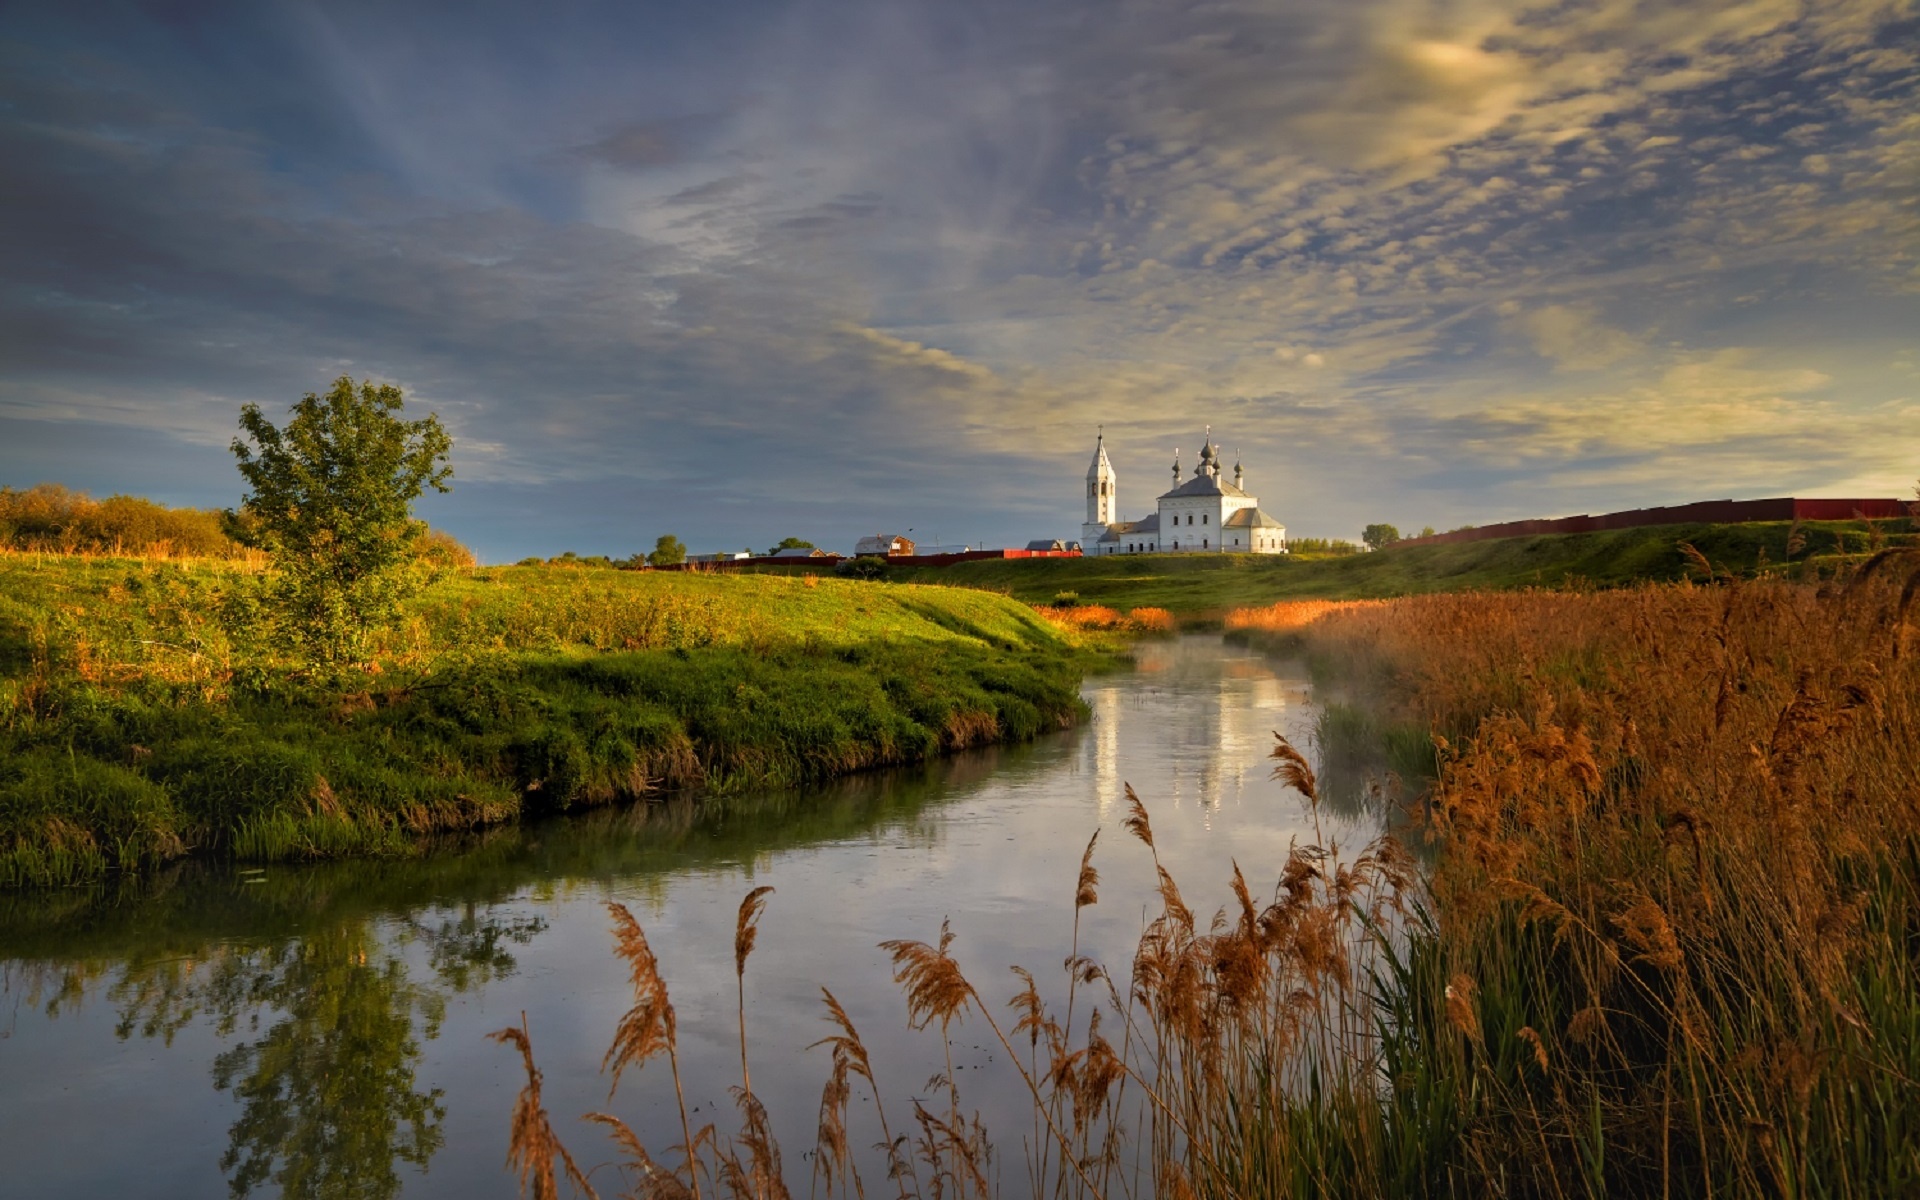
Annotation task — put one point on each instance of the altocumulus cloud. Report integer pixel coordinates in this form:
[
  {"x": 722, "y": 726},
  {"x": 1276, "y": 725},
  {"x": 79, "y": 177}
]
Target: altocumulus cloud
[{"x": 739, "y": 270}]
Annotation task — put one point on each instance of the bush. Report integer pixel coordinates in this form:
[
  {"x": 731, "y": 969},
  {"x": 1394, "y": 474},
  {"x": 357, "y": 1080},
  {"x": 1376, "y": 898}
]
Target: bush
[
  {"x": 442, "y": 549},
  {"x": 54, "y": 518},
  {"x": 869, "y": 567}
]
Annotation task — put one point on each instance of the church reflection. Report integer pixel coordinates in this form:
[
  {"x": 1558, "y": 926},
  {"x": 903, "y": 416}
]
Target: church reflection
[{"x": 1215, "y": 735}]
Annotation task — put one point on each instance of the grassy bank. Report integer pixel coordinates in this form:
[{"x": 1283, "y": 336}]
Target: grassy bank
[
  {"x": 143, "y": 715},
  {"x": 1199, "y": 589}
]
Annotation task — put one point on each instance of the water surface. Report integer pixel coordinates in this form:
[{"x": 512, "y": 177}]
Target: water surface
[{"x": 320, "y": 1030}]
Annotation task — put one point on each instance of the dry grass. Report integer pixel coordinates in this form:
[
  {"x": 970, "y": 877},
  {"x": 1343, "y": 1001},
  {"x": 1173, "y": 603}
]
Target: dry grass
[
  {"x": 1678, "y": 891},
  {"x": 1110, "y": 620},
  {"x": 1152, "y": 620},
  {"x": 1290, "y": 616}
]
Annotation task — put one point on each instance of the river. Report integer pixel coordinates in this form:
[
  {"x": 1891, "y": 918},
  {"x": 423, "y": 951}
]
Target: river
[{"x": 320, "y": 1030}]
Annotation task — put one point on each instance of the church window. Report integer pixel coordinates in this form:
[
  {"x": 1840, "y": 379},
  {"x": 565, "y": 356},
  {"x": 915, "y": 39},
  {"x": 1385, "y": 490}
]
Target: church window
[
  {"x": 1203, "y": 518},
  {"x": 1203, "y": 543}
]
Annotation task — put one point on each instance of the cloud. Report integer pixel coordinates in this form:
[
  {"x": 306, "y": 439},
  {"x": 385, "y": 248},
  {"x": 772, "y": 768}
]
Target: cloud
[
  {"x": 652, "y": 143},
  {"x": 1474, "y": 253},
  {"x": 1574, "y": 337}
]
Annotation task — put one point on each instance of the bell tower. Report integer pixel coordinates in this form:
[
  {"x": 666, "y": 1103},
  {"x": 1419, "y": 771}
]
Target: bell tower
[{"x": 1103, "y": 503}]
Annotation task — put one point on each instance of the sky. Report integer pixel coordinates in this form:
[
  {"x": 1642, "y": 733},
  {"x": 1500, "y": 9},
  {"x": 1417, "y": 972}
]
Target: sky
[{"x": 743, "y": 269}]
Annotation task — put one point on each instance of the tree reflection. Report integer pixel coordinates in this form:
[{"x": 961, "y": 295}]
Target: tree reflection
[{"x": 331, "y": 1105}]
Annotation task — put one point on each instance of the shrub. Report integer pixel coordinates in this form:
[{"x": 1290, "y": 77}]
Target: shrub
[
  {"x": 54, "y": 518},
  {"x": 333, "y": 493}
]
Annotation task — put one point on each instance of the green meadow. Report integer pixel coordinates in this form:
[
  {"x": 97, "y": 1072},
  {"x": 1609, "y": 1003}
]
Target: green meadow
[
  {"x": 145, "y": 712},
  {"x": 1200, "y": 589}
]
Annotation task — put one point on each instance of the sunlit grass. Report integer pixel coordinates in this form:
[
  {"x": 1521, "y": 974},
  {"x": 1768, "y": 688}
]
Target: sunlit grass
[
  {"x": 1200, "y": 589},
  {"x": 145, "y": 710}
]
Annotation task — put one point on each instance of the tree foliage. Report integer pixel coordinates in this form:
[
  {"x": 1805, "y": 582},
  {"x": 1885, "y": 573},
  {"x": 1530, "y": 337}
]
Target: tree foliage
[
  {"x": 668, "y": 551},
  {"x": 332, "y": 504},
  {"x": 1379, "y": 536},
  {"x": 51, "y": 517},
  {"x": 871, "y": 566},
  {"x": 791, "y": 543}
]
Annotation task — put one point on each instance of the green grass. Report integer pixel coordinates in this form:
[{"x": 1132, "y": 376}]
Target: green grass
[
  {"x": 1200, "y": 588},
  {"x": 141, "y": 717}
]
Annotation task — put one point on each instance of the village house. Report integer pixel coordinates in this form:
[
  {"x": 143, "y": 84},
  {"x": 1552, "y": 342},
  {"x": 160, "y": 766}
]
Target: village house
[{"x": 890, "y": 545}]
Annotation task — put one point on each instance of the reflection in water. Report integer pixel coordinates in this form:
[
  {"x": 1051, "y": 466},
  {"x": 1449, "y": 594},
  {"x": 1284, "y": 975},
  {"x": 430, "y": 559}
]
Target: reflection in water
[
  {"x": 330, "y": 1106},
  {"x": 325, "y": 981},
  {"x": 1216, "y": 730},
  {"x": 338, "y": 1009}
]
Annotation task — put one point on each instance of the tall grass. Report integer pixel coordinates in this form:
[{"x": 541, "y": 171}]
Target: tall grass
[
  {"x": 1144, "y": 621},
  {"x": 1669, "y": 945},
  {"x": 1678, "y": 880}
]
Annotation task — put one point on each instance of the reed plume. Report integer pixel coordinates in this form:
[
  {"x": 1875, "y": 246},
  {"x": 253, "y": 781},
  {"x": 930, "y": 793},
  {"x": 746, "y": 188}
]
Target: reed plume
[
  {"x": 746, "y": 930},
  {"x": 1136, "y": 822},
  {"x": 533, "y": 1148},
  {"x": 649, "y": 1027},
  {"x": 1087, "y": 888}
]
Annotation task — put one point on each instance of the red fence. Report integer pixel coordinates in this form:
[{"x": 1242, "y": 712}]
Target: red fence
[
  {"x": 1714, "y": 512},
  {"x": 947, "y": 560}
]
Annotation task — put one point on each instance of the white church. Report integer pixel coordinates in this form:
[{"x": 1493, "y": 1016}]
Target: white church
[{"x": 1206, "y": 514}]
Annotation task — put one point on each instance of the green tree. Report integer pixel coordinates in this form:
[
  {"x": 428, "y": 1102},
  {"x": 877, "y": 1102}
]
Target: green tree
[
  {"x": 332, "y": 504},
  {"x": 1379, "y": 537},
  {"x": 791, "y": 543},
  {"x": 870, "y": 566},
  {"x": 669, "y": 551},
  {"x": 1426, "y": 531}
]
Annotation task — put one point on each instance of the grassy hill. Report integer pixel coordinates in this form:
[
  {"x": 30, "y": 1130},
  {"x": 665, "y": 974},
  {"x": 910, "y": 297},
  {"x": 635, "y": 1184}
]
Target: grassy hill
[
  {"x": 146, "y": 713},
  {"x": 1201, "y": 588}
]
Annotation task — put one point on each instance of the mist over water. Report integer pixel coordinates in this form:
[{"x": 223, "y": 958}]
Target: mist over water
[{"x": 321, "y": 1029}]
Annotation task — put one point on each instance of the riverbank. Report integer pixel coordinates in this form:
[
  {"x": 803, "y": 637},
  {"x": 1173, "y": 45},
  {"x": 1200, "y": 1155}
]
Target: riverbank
[
  {"x": 1200, "y": 589},
  {"x": 271, "y": 1003},
  {"x": 147, "y": 713}
]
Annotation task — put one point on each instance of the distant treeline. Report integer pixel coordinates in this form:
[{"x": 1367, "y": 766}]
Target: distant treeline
[
  {"x": 60, "y": 520},
  {"x": 1310, "y": 545}
]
